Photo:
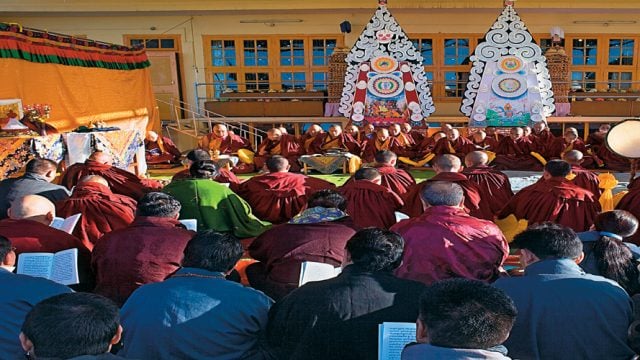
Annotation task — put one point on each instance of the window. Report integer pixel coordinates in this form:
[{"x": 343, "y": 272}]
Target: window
[
  {"x": 223, "y": 53},
  {"x": 293, "y": 80},
  {"x": 621, "y": 51},
  {"x": 224, "y": 81},
  {"x": 322, "y": 50},
  {"x": 256, "y": 81},
  {"x": 256, "y": 53},
  {"x": 153, "y": 42},
  {"x": 320, "y": 80},
  {"x": 425, "y": 48},
  {"x": 620, "y": 80},
  {"x": 585, "y": 51},
  {"x": 583, "y": 80},
  {"x": 455, "y": 83},
  {"x": 545, "y": 44},
  {"x": 456, "y": 51},
  {"x": 291, "y": 52}
]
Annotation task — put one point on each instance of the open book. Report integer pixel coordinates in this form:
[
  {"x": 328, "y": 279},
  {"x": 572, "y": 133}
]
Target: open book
[
  {"x": 67, "y": 225},
  {"x": 315, "y": 271},
  {"x": 61, "y": 267},
  {"x": 392, "y": 338},
  {"x": 190, "y": 224}
]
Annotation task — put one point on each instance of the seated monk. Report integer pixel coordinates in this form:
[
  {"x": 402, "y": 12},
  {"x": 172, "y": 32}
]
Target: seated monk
[
  {"x": 405, "y": 141},
  {"x": 394, "y": 179},
  {"x": 368, "y": 132},
  {"x": 494, "y": 186},
  {"x": 629, "y": 202},
  {"x": 479, "y": 143},
  {"x": 120, "y": 181},
  {"x": 336, "y": 139},
  {"x": 447, "y": 168},
  {"x": 369, "y": 203},
  {"x": 354, "y": 132},
  {"x": 160, "y": 150},
  {"x": 580, "y": 176},
  {"x": 309, "y": 137},
  {"x": 571, "y": 141},
  {"x": 493, "y": 136},
  {"x": 28, "y": 228},
  {"x": 279, "y": 195},
  {"x": 415, "y": 135},
  {"x": 102, "y": 211},
  {"x": 213, "y": 205},
  {"x": 453, "y": 144},
  {"x": 542, "y": 138},
  {"x": 318, "y": 234},
  {"x": 596, "y": 139},
  {"x": 224, "y": 142},
  {"x": 382, "y": 141},
  {"x": 424, "y": 149},
  {"x": 613, "y": 161},
  {"x": 281, "y": 144},
  {"x": 515, "y": 153},
  {"x": 224, "y": 176},
  {"x": 555, "y": 199}
]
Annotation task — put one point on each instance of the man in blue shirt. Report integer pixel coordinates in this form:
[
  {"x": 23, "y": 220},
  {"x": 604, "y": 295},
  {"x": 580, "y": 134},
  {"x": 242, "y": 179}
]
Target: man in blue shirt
[
  {"x": 19, "y": 294},
  {"x": 196, "y": 313},
  {"x": 564, "y": 313}
]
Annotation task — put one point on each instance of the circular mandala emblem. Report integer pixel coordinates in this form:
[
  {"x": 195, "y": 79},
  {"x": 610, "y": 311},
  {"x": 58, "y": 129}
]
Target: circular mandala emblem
[
  {"x": 510, "y": 64},
  {"x": 385, "y": 85},
  {"x": 508, "y": 86},
  {"x": 384, "y": 64}
]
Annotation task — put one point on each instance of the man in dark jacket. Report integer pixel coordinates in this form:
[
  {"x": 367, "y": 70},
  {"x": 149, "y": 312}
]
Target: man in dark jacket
[
  {"x": 338, "y": 318},
  {"x": 39, "y": 173}
]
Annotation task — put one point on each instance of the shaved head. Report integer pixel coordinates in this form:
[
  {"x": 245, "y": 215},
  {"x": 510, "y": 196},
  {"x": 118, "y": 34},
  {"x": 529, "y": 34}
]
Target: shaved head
[
  {"x": 94, "y": 179},
  {"x": 41, "y": 166},
  {"x": 314, "y": 130},
  {"x": 274, "y": 134},
  {"x": 447, "y": 163},
  {"x": 573, "y": 157},
  {"x": 386, "y": 157},
  {"x": 152, "y": 136},
  {"x": 476, "y": 158},
  {"x": 370, "y": 174},
  {"x": 277, "y": 163},
  {"x": 220, "y": 131},
  {"x": 442, "y": 193},
  {"x": 33, "y": 207},
  {"x": 101, "y": 157}
]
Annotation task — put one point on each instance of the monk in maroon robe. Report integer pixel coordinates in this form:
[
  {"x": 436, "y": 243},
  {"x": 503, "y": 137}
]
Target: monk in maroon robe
[
  {"x": 28, "y": 228},
  {"x": 542, "y": 138},
  {"x": 120, "y": 181},
  {"x": 494, "y": 186},
  {"x": 447, "y": 168},
  {"x": 335, "y": 139},
  {"x": 554, "y": 199},
  {"x": 224, "y": 142},
  {"x": 382, "y": 141},
  {"x": 369, "y": 203},
  {"x": 445, "y": 242},
  {"x": 397, "y": 180},
  {"x": 160, "y": 150},
  {"x": 571, "y": 141},
  {"x": 279, "y": 195},
  {"x": 102, "y": 211},
  {"x": 479, "y": 142},
  {"x": 454, "y": 144},
  {"x": 596, "y": 139},
  {"x": 309, "y": 137},
  {"x": 415, "y": 135},
  {"x": 613, "y": 161},
  {"x": 318, "y": 234},
  {"x": 631, "y": 203},
  {"x": 514, "y": 153},
  {"x": 354, "y": 132},
  {"x": 281, "y": 144},
  {"x": 147, "y": 251},
  {"x": 493, "y": 136},
  {"x": 580, "y": 176}
]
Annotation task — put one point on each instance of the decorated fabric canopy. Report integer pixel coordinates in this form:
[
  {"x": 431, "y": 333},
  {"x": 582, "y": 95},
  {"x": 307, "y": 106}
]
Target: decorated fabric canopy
[
  {"x": 385, "y": 81},
  {"x": 509, "y": 82},
  {"x": 81, "y": 81}
]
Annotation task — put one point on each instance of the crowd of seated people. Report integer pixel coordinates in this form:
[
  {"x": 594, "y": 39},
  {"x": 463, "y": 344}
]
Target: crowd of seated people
[{"x": 152, "y": 289}]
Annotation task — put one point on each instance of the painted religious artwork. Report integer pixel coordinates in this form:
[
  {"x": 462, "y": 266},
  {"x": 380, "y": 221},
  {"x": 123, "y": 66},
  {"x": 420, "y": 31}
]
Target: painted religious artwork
[
  {"x": 385, "y": 81},
  {"x": 509, "y": 83}
]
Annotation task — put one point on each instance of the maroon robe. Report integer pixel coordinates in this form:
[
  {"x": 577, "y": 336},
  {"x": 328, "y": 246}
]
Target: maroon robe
[
  {"x": 373, "y": 145},
  {"x": 416, "y": 135},
  {"x": 154, "y": 154},
  {"x": 596, "y": 140},
  {"x": 282, "y": 249},
  {"x": 472, "y": 199},
  {"x": 559, "y": 147},
  {"x": 278, "y": 197},
  {"x": 516, "y": 155},
  {"x": 456, "y": 147},
  {"x": 102, "y": 211},
  {"x": 29, "y": 236},
  {"x": 445, "y": 242},
  {"x": 324, "y": 142},
  {"x": 631, "y": 203},
  {"x": 288, "y": 147},
  {"x": 229, "y": 145},
  {"x": 542, "y": 141},
  {"x": 120, "y": 181},
  {"x": 370, "y": 204},
  {"x": 556, "y": 200},
  {"x": 485, "y": 145},
  {"x": 305, "y": 143},
  {"x": 394, "y": 179},
  {"x": 586, "y": 179},
  {"x": 224, "y": 176},
  {"x": 613, "y": 162},
  {"x": 425, "y": 146},
  {"x": 494, "y": 186},
  {"x": 147, "y": 251}
]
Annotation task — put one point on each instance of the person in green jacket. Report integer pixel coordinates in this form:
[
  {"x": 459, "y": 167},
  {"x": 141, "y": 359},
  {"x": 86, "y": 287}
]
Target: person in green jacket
[{"x": 214, "y": 205}]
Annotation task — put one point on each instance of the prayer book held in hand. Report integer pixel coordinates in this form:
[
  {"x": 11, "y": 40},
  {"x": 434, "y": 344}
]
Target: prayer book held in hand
[
  {"x": 315, "y": 271},
  {"x": 392, "y": 338},
  {"x": 61, "y": 267},
  {"x": 67, "y": 225},
  {"x": 190, "y": 224}
]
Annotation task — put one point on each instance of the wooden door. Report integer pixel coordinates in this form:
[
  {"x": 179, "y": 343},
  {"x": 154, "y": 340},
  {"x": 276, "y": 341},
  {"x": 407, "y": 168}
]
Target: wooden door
[{"x": 165, "y": 81}]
